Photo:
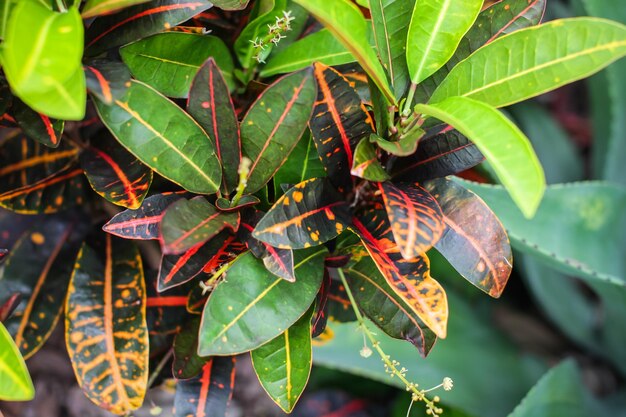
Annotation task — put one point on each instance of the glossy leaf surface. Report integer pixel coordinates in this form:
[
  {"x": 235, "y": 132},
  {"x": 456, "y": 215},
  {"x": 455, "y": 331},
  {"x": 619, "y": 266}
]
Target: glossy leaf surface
[
  {"x": 187, "y": 223},
  {"x": 253, "y": 306},
  {"x": 415, "y": 216},
  {"x": 366, "y": 164},
  {"x": 303, "y": 164},
  {"x": 506, "y": 148},
  {"x": 187, "y": 364},
  {"x": 106, "y": 332},
  {"x": 37, "y": 126},
  {"x": 474, "y": 241},
  {"x": 309, "y": 214},
  {"x": 274, "y": 124},
  {"x": 539, "y": 64},
  {"x": 169, "y": 61},
  {"x": 94, "y": 8},
  {"x": 163, "y": 137},
  {"x": 15, "y": 382},
  {"x": 344, "y": 20},
  {"x": 107, "y": 79},
  {"x": 142, "y": 223},
  {"x": 211, "y": 106},
  {"x": 283, "y": 364},
  {"x": 403, "y": 147},
  {"x": 231, "y": 4},
  {"x": 435, "y": 31}
]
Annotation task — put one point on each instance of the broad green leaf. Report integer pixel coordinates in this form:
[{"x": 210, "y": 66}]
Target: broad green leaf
[
  {"x": 345, "y": 21},
  {"x": 366, "y": 164},
  {"x": 231, "y": 4},
  {"x": 163, "y": 137},
  {"x": 107, "y": 79},
  {"x": 15, "y": 382},
  {"x": 320, "y": 46},
  {"x": 187, "y": 364},
  {"x": 252, "y": 306},
  {"x": 303, "y": 164},
  {"x": 390, "y": 20},
  {"x": 404, "y": 146},
  {"x": 506, "y": 148},
  {"x": 546, "y": 57},
  {"x": 283, "y": 364},
  {"x": 169, "y": 61},
  {"x": 274, "y": 124},
  {"x": 435, "y": 31},
  {"x": 96, "y": 7},
  {"x": 106, "y": 333}
]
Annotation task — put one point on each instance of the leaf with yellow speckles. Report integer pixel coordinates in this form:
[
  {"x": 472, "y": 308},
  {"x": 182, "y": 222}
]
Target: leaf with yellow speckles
[
  {"x": 415, "y": 217},
  {"x": 253, "y": 306},
  {"x": 474, "y": 242},
  {"x": 187, "y": 223},
  {"x": 410, "y": 279},
  {"x": 142, "y": 223},
  {"x": 283, "y": 364},
  {"x": 115, "y": 174},
  {"x": 105, "y": 321},
  {"x": 15, "y": 382},
  {"x": 366, "y": 164},
  {"x": 274, "y": 124},
  {"x": 385, "y": 308},
  {"x": 309, "y": 214},
  {"x": 39, "y": 267},
  {"x": 209, "y": 393}
]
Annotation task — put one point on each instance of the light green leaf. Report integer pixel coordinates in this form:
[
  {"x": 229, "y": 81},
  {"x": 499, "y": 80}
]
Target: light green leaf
[
  {"x": 506, "y": 148},
  {"x": 344, "y": 20},
  {"x": 535, "y": 60},
  {"x": 437, "y": 27},
  {"x": 15, "y": 382},
  {"x": 97, "y": 7}
]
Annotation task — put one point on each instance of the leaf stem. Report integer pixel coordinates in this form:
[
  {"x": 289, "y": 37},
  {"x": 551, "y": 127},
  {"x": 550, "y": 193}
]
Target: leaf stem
[
  {"x": 61, "y": 6},
  {"x": 243, "y": 171},
  {"x": 160, "y": 367},
  {"x": 409, "y": 99}
]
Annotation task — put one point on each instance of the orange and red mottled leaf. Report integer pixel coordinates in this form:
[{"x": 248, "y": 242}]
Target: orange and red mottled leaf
[
  {"x": 309, "y": 214},
  {"x": 107, "y": 79},
  {"x": 415, "y": 217},
  {"x": 339, "y": 122},
  {"x": 209, "y": 394},
  {"x": 474, "y": 242},
  {"x": 37, "y": 126}
]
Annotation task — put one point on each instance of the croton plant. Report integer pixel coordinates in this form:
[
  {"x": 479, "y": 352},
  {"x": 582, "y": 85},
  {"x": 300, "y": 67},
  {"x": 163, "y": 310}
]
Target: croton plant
[{"x": 287, "y": 159}]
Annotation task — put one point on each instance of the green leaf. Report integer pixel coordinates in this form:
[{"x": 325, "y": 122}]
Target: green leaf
[
  {"x": 164, "y": 137},
  {"x": 404, "y": 146},
  {"x": 37, "y": 126},
  {"x": 283, "y": 364},
  {"x": 496, "y": 76},
  {"x": 321, "y": 46},
  {"x": 366, "y": 164},
  {"x": 15, "y": 382},
  {"x": 169, "y": 61},
  {"x": 435, "y": 31},
  {"x": 303, "y": 164},
  {"x": 107, "y": 79},
  {"x": 274, "y": 124},
  {"x": 506, "y": 148},
  {"x": 252, "y": 306},
  {"x": 231, "y": 4},
  {"x": 187, "y": 223},
  {"x": 187, "y": 364},
  {"x": 344, "y": 20},
  {"x": 94, "y": 8},
  {"x": 309, "y": 214}
]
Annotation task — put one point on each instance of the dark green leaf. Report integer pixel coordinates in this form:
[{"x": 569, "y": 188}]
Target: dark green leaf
[
  {"x": 94, "y": 8},
  {"x": 366, "y": 164},
  {"x": 15, "y": 382},
  {"x": 107, "y": 79},
  {"x": 302, "y": 164},
  {"x": 37, "y": 126},
  {"x": 187, "y": 364}
]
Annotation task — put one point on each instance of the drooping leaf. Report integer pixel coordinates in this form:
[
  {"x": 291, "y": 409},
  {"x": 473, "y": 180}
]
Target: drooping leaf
[
  {"x": 416, "y": 219},
  {"x": 106, "y": 333},
  {"x": 37, "y": 126},
  {"x": 345, "y": 21},
  {"x": 474, "y": 241},
  {"x": 187, "y": 364},
  {"x": 385, "y": 308},
  {"x": 253, "y": 306},
  {"x": 115, "y": 174},
  {"x": 410, "y": 279},
  {"x": 366, "y": 164},
  {"x": 138, "y": 22},
  {"x": 338, "y": 124},
  {"x": 169, "y": 61},
  {"x": 212, "y": 107},
  {"x": 15, "y": 382},
  {"x": 94, "y": 8},
  {"x": 321, "y": 46},
  {"x": 187, "y": 223},
  {"x": 209, "y": 393},
  {"x": 41, "y": 58},
  {"x": 309, "y": 214},
  {"x": 303, "y": 164},
  {"x": 404, "y": 146},
  {"x": 445, "y": 154},
  {"x": 163, "y": 137},
  {"x": 507, "y": 149},
  {"x": 39, "y": 268},
  {"x": 435, "y": 31},
  {"x": 494, "y": 76},
  {"x": 274, "y": 124},
  {"x": 283, "y": 364},
  {"x": 107, "y": 79},
  {"x": 142, "y": 223}
]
